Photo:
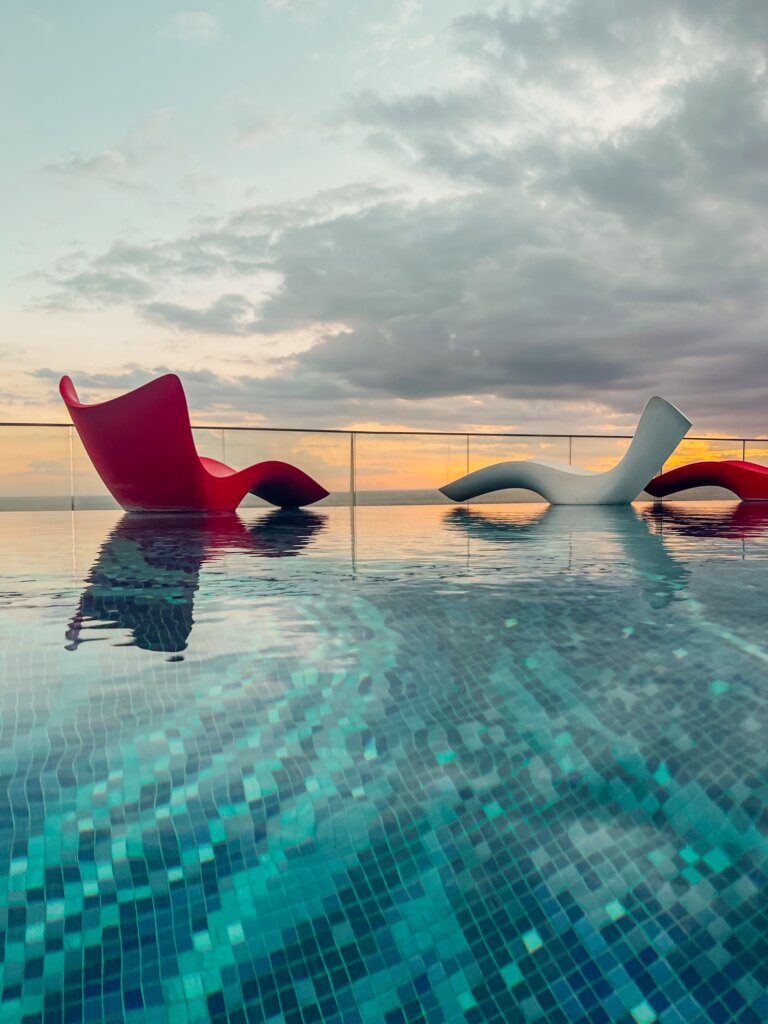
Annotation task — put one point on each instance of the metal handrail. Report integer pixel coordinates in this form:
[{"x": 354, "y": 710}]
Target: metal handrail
[{"x": 416, "y": 433}]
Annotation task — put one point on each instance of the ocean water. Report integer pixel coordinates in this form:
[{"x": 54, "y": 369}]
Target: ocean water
[{"x": 385, "y": 765}]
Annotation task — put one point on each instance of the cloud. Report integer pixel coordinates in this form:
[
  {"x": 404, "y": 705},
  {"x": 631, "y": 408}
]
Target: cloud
[
  {"x": 233, "y": 397},
  {"x": 584, "y": 45},
  {"x": 194, "y": 27},
  {"x": 390, "y": 35},
  {"x": 228, "y": 315},
  {"x": 239, "y": 247},
  {"x": 263, "y": 127},
  {"x": 102, "y": 164},
  {"x": 595, "y": 233},
  {"x": 310, "y": 399},
  {"x": 116, "y": 164},
  {"x": 431, "y": 114},
  {"x": 92, "y": 288},
  {"x": 302, "y": 10}
]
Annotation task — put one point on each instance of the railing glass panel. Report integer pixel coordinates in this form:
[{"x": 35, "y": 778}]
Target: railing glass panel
[
  {"x": 45, "y": 466},
  {"x": 487, "y": 449},
  {"x": 209, "y": 442},
  {"x": 756, "y": 451},
  {"x": 35, "y": 469},
  {"x": 598, "y": 454},
  {"x": 88, "y": 490},
  {"x": 692, "y": 449},
  {"x": 395, "y": 469},
  {"x": 325, "y": 456}
]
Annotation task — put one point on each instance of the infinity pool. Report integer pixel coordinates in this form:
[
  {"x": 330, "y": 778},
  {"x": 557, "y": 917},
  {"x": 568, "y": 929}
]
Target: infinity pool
[{"x": 407, "y": 764}]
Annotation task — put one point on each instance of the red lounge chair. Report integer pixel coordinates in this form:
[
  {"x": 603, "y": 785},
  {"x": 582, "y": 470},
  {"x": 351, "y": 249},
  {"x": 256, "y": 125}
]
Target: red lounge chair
[
  {"x": 747, "y": 480},
  {"x": 142, "y": 447}
]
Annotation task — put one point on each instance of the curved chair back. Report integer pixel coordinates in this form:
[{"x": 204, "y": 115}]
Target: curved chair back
[
  {"x": 141, "y": 444},
  {"x": 659, "y": 431}
]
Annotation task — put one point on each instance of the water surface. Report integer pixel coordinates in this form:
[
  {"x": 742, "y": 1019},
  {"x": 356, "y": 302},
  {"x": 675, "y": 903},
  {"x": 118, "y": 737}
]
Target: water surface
[{"x": 396, "y": 764}]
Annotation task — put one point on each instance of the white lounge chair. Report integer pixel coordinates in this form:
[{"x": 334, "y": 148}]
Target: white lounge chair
[{"x": 661, "y": 428}]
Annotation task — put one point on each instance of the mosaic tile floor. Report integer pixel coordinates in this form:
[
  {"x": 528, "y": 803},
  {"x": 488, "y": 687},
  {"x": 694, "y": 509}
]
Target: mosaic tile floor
[{"x": 426, "y": 764}]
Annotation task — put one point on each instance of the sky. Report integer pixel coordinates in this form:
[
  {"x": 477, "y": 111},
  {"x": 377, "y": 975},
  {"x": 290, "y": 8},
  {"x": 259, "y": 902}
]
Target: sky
[{"x": 442, "y": 214}]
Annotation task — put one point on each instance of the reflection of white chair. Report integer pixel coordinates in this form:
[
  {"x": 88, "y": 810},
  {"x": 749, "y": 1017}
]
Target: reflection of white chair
[
  {"x": 567, "y": 534},
  {"x": 660, "y": 430}
]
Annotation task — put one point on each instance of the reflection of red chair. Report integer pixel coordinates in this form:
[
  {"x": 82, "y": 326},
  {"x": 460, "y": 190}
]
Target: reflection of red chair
[
  {"x": 147, "y": 573},
  {"x": 737, "y": 519},
  {"x": 142, "y": 447},
  {"x": 747, "y": 480}
]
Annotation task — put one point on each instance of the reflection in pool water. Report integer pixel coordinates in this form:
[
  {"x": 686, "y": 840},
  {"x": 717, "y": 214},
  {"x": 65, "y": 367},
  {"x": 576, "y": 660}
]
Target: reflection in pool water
[
  {"x": 574, "y": 534},
  {"x": 485, "y": 764},
  {"x": 147, "y": 571},
  {"x": 725, "y": 519}
]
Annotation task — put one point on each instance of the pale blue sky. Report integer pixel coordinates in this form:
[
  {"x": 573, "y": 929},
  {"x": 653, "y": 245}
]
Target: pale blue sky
[
  {"x": 412, "y": 212},
  {"x": 207, "y": 106}
]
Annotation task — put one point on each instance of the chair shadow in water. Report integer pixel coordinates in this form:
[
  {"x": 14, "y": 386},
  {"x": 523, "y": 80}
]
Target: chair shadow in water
[{"x": 147, "y": 571}]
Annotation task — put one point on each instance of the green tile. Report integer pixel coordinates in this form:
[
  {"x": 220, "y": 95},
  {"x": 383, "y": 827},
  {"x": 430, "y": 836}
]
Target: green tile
[
  {"x": 615, "y": 910},
  {"x": 511, "y": 974},
  {"x": 467, "y": 1001},
  {"x": 717, "y": 859},
  {"x": 643, "y": 1013},
  {"x": 532, "y": 941}
]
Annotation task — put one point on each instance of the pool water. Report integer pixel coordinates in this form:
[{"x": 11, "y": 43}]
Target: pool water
[{"x": 434, "y": 764}]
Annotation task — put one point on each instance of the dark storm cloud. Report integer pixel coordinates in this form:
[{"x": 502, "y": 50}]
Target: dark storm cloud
[{"x": 598, "y": 230}]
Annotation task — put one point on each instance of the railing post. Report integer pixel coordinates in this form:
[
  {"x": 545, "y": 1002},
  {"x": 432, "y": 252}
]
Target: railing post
[
  {"x": 743, "y": 451},
  {"x": 352, "y": 474},
  {"x": 467, "y": 453},
  {"x": 71, "y": 471},
  {"x": 570, "y": 449}
]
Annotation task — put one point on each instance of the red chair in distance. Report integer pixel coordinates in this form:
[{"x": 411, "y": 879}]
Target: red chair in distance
[
  {"x": 141, "y": 446},
  {"x": 747, "y": 480}
]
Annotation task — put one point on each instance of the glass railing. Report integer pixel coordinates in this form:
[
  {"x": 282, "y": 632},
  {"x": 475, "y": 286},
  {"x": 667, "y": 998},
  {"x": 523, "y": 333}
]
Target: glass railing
[{"x": 44, "y": 466}]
